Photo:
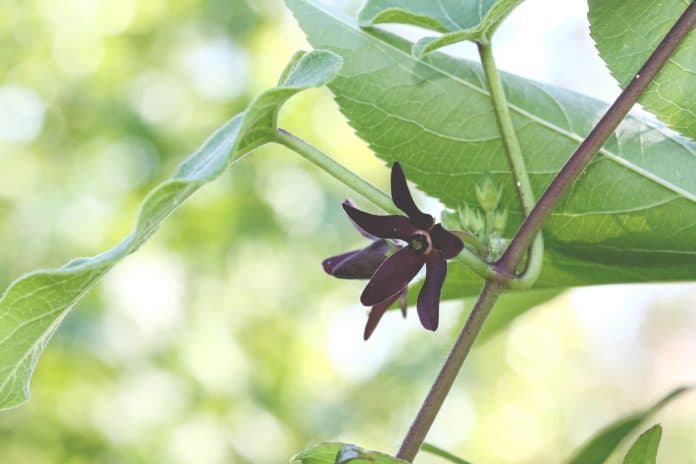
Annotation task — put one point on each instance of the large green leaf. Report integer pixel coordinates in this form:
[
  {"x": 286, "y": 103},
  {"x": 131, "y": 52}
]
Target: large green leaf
[
  {"x": 602, "y": 445},
  {"x": 33, "y": 307},
  {"x": 644, "y": 450},
  {"x": 626, "y": 32},
  {"x": 342, "y": 453},
  {"x": 458, "y": 20},
  {"x": 630, "y": 218}
]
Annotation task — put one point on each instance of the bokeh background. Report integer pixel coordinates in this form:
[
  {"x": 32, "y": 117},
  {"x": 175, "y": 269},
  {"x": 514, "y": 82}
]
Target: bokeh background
[{"x": 221, "y": 340}]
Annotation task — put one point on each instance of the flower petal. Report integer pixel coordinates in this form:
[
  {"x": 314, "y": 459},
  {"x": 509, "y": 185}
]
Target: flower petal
[
  {"x": 378, "y": 311},
  {"x": 330, "y": 264},
  {"x": 393, "y": 275},
  {"x": 401, "y": 196},
  {"x": 359, "y": 264},
  {"x": 381, "y": 226},
  {"x": 403, "y": 302},
  {"x": 362, "y": 231},
  {"x": 429, "y": 297},
  {"x": 449, "y": 244}
]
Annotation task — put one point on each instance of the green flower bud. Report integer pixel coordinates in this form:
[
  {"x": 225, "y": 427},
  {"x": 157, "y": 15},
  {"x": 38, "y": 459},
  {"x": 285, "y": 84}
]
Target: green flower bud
[
  {"x": 500, "y": 220},
  {"x": 498, "y": 245},
  {"x": 477, "y": 223},
  {"x": 488, "y": 195}
]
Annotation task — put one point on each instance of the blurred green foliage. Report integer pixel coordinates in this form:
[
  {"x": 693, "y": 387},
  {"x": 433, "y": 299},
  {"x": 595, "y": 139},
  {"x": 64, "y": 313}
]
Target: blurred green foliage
[{"x": 222, "y": 341}]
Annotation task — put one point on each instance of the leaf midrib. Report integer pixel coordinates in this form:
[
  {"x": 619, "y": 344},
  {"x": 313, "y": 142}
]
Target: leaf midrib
[{"x": 664, "y": 183}]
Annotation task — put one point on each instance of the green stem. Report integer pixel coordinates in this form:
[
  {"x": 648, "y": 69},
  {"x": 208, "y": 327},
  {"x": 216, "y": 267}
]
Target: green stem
[
  {"x": 514, "y": 153},
  {"x": 373, "y": 194},
  {"x": 338, "y": 171},
  {"x": 434, "y": 450}
]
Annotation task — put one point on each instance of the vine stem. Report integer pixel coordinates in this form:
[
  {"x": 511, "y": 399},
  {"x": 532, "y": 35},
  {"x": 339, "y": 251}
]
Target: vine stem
[
  {"x": 532, "y": 224},
  {"x": 520, "y": 176}
]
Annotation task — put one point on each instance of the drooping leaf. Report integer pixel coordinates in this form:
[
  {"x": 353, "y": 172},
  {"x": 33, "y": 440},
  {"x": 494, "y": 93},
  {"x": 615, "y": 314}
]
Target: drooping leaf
[
  {"x": 458, "y": 20},
  {"x": 342, "y": 453},
  {"x": 644, "y": 450},
  {"x": 33, "y": 307},
  {"x": 602, "y": 445},
  {"x": 626, "y": 32},
  {"x": 630, "y": 218}
]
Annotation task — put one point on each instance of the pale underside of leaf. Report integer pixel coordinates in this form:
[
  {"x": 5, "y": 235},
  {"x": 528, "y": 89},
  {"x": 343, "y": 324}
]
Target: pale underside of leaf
[
  {"x": 626, "y": 31},
  {"x": 630, "y": 218},
  {"x": 342, "y": 453},
  {"x": 457, "y": 20},
  {"x": 34, "y": 305}
]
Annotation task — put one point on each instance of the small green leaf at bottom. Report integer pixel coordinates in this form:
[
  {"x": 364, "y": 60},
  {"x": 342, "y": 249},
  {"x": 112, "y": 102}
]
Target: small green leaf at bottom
[
  {"x": 602, "y": 445},
  {"x": 644, "y": 450},
  {"x": 342, "y": 453}
]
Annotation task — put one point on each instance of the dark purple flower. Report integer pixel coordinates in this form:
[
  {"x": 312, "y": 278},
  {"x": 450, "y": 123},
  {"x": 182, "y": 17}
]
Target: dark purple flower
[
  {"x": 426, "y": 243},
  {"x": 362, "y": 264}
]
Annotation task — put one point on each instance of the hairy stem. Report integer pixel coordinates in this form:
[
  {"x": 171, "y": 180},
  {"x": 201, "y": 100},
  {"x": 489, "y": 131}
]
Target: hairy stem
[
  {"x": 532, "y": 224},
  {"x": 520, "y": 177},
  {"x": 371, "y": 193}
]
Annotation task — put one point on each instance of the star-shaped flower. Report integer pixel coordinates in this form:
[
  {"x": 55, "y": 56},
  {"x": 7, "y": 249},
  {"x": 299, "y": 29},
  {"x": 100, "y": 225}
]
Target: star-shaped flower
[
  {"x": 426, "y": 243},
  {"x": 362, "y": 264}
]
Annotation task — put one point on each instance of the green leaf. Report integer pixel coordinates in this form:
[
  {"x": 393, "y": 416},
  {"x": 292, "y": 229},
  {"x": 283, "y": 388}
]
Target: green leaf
[
  {"x": 434, "y": 450},
  {"x": 602, "y": 445},
  {"x": 630, "y": 218},
  {"x": 626, "y": 32},
  {"x": 342, "y": 453},
  {"x": 33, "y": 307},
  {"x": 644, "y": 450},
  {"x": 458, "y": 20}
]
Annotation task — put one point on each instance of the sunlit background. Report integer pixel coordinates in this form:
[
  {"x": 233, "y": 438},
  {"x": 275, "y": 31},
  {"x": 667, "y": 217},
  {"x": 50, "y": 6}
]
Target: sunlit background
[{"x": 221, "y": 340}]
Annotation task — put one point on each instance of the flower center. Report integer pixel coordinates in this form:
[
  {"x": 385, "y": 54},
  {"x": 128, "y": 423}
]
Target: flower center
[{"x": 420, "y": 243}]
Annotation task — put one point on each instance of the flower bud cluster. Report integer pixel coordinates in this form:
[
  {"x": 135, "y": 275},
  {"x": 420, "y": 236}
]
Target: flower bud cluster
[{"x": 482, "y": 226}]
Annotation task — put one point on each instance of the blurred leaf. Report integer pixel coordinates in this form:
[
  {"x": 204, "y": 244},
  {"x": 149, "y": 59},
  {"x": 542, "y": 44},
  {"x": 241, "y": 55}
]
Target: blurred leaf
[
  {"x": 474, "y": 20},
  {"x": 511, "y": 305},
  {"x": 434, "y": 450},
  {"x": 602, "y": 445},
  {"x": 33, "y": 307},
  {"x": 644, "y": 450},
  {"x": 436, "y": 118},
  {"x": 340, "y": 453},
  {"x": 626, "y": 32}
]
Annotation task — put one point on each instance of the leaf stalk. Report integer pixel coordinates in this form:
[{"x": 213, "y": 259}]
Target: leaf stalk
[{"x": 520, "y": 176}]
